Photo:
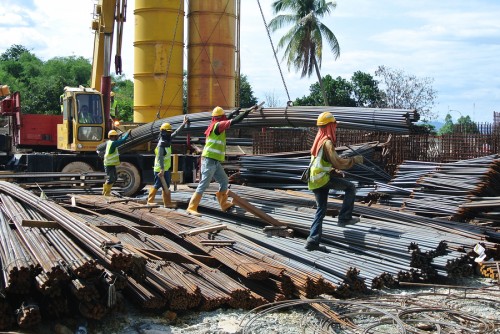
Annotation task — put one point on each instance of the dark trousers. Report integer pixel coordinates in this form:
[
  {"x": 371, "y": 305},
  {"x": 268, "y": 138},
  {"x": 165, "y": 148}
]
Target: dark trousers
[
  {"x": 110, "y": 174},
  {"x": 166, "y": 175},
  {"x": 321, "y": 196}
]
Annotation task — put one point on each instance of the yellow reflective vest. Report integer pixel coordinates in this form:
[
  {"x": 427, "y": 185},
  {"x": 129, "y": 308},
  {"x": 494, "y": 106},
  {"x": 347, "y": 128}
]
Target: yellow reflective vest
[
  {"x": 319, "y": 173},
  {"x": 167, "y": 161},
  {"x": 215, "y": 146},
  {"x": 111, "y": 159}
]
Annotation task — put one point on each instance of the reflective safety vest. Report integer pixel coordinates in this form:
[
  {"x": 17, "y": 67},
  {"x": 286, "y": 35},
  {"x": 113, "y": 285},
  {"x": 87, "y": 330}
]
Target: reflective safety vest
[
  {"x": 319, "y": 172},
  {"x": 111, "y": 159},
  {"x": 215, "y": 146},
  {"x": 112, "y": 109},
  {"x": 167, "y": 161}
]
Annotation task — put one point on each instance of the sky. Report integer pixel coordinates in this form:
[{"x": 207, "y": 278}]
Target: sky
[{"x": 456, "y": 43}]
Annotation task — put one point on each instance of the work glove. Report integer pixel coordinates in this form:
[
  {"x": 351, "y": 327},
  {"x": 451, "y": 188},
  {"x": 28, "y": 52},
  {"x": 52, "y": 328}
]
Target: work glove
[
  {"x": 358, "y": 159},
  {"x": 234, "y": 113}
]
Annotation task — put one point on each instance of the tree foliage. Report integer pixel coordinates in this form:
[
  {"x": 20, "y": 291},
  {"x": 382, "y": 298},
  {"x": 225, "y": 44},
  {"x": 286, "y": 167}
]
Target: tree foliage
[
  {"x": 447, "y": 127},
  {"x": 407, "y": 91},
  {"x": 41, "y": 82},
  {"x": 124, "y": 96},
  {"x": 303, "y": 43},
  {"x": 360, "y": 91},
  {"x": 247, "y": 99}
]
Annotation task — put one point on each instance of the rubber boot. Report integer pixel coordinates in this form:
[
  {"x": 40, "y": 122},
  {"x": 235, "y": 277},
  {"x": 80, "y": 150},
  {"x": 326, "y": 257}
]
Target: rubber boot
[
  {"x": 193, "y": 204},
  {"x": 167, "y": 199},
  {"x": 222, "y": 198},
  {"x": 106, "y": 189},
  {"x": 151, "y": 196}
]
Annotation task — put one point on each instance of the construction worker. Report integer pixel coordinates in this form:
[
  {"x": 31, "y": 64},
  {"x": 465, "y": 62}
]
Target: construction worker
[
  {"x": 112, "y": 159},
  {"x": 163, "y": 161},
  {"x": 213, "y": 154},
  {"x": 323, "y": 177},
  {"x": 84, "y": 116},
  {"x": 113, "y": 106}
]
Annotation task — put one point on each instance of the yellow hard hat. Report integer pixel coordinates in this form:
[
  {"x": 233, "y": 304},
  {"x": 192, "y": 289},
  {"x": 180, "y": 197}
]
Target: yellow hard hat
[
  {"x": 218, "y": 111},
  {"x": 112, "y": 94},
  {"x": 166, "y": 127},
  {"x": 112, "y": 133},
  {"x": 324, "y": 118}
]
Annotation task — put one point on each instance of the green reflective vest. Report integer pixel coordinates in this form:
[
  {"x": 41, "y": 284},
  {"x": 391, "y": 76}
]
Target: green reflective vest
[
  {"x": 111, "y": 159},
  {"x": 215, "y": 146},
  {"x": 167, "y": 161},
  {"x": 319, "y": 174},
  {"x": 112, "y": 109}
]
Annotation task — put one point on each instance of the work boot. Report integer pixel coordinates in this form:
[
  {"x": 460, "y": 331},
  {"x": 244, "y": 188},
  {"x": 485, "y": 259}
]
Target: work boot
[
  {"x": 312, "y": 246},
  {"x": 152, "y": 195},
  {"x": 193, "y": 204},
  {"x": 222, "y": 198},
  {"x": 167, "y": 199},
  {"x": 106, "y": 189},
  {"x": 351, "y": 221}
]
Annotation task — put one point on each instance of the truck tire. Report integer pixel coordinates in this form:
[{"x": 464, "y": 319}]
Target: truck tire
[
  {"x": 77, "y": 167},
  {"x": 129, "y": 178}
]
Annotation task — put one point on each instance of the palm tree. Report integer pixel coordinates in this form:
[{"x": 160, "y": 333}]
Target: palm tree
[{"x": 304, "y": 41}]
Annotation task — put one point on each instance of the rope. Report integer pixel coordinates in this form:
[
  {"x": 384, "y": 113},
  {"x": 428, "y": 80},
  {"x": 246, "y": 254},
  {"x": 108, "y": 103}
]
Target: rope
[{"x": 274, "y": 52}]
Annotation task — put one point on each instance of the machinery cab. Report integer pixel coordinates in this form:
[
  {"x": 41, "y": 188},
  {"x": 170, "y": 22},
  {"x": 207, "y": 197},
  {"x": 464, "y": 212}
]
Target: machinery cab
[{"x": 83, "y": 125}]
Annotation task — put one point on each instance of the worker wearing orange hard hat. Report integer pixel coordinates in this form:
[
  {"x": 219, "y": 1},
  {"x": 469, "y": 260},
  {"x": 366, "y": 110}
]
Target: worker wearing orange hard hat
[
  {"x": 324, "y": 176},
  {"x": 213, "y": 154},
  {"x": 163, "y": 161},
  {"x": 112, "y": 159}
]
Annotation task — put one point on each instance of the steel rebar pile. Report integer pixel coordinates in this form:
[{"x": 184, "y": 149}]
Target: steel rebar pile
[
  {"x": 429, "y": 236},
  {"x": 370, "y": 119},
  {"x": 18, "y": 267},
  {"x": 452, "y": 184},
  {"x": 97, "y": 243}
]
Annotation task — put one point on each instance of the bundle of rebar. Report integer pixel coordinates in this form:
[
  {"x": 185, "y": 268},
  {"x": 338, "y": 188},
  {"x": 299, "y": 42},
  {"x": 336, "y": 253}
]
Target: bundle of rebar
[
  {"x": 370, "y": 119},
  {"x": 96, "y": 241}
]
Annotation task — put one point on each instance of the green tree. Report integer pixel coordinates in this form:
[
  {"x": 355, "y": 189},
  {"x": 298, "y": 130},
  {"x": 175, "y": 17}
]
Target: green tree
[
  {"x": 447, "y": 128},
  {"x": 303, "y": 43},
  {"x": 466, "y": 125},
  {"x": 124, "y": 95},
  {"x": 366, "y": 91},
  {"x": 247, "y": 99},
  {"x": 339, "y": 93},
  {"x": 41, "y": 83},
  {"x": 407, "y": 91}
]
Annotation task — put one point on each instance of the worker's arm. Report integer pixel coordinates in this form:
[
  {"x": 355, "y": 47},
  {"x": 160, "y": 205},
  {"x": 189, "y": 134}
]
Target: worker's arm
[
  {"x": 186, "y": 121},
  {"x": 329, "y": 154},
  {"x": 119, "y": 141}
]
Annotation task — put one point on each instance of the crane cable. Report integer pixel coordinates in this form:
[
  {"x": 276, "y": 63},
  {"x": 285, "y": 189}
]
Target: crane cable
[
  {"x": 274, "y": 51},
  {"x": 168, "y": 63}
]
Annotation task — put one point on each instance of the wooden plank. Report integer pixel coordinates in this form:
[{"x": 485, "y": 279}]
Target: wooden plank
[{"x": 244, "y": 204}]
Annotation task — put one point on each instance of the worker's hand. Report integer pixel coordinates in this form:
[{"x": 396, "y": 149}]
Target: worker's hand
[
  {"x": 161, "y": 172},
  {"x": 186, "y": 119},
  {"x": 358, "y": 159}
]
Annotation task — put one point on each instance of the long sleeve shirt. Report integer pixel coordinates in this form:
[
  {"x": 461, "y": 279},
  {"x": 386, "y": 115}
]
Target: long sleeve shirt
[
  {"x": 329, "y": 154},
  {"x": 118, "y": 142},
  {"x": 162, "y": 150}
]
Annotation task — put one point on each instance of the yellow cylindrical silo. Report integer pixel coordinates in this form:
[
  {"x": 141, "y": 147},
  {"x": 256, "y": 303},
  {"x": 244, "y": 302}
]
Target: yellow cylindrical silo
[
  {"x": 158, "y": 59},
  {"x": 211, "y": 54}
]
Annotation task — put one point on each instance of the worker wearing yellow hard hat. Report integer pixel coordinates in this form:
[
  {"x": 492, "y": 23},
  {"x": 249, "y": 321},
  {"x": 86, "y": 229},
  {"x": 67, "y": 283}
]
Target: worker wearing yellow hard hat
[
  {"x": 112, "y": 159},
  {"x": 213, "y": 154},
  {"x": 163, "y": 161},
  {"x": 323, "y": 176}
]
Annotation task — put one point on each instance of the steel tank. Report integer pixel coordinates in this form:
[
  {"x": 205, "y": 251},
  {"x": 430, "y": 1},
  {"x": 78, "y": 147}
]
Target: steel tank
[
  {"x": 211, "y": 54},
  {"x": 158, "y": 59}
]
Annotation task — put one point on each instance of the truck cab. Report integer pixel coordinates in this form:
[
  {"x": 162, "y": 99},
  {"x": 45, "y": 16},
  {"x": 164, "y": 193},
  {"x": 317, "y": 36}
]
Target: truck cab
[{"x": 83, "y": 124}]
